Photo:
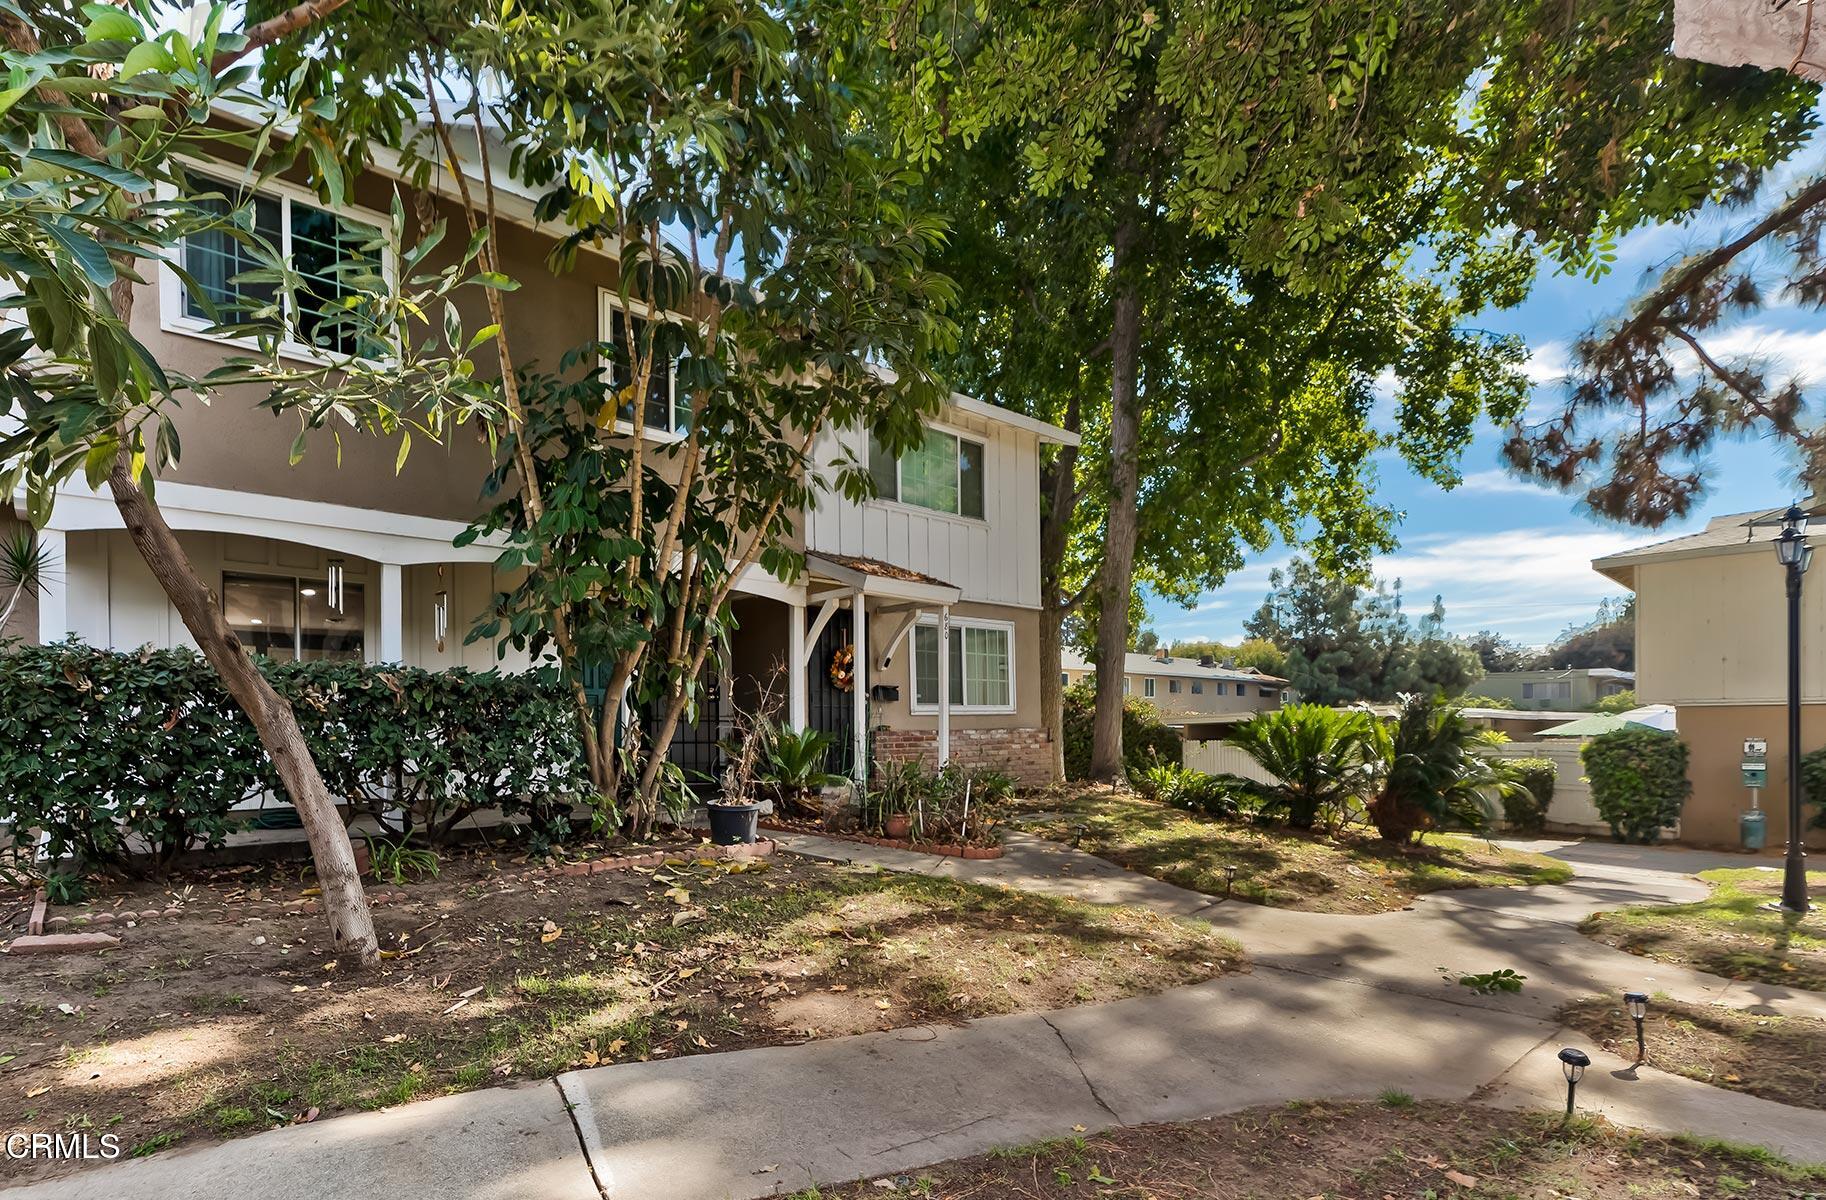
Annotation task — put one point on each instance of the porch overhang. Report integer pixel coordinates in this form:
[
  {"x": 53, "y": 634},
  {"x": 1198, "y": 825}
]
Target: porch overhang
[
  {"x": 384, "y": 537},
  {"x": 878, "y": 580}
]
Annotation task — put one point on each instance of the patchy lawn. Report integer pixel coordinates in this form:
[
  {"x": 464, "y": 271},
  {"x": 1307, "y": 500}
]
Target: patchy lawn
[
  {"x": 203, "y": 1025},
  {"x": 1346, "y": 873},
  {"x": 1778, "y": 1058},
  {"x": 1393, "y": 1149},
  {"x": 1729, "y": 933}
]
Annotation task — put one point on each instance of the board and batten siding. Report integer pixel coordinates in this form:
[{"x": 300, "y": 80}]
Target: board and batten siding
[{"x": 992, "y": 561}]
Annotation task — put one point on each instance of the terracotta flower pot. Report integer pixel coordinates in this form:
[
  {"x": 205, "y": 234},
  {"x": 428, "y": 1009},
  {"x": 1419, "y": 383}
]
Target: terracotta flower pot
[{"x": 898, "y": 826}]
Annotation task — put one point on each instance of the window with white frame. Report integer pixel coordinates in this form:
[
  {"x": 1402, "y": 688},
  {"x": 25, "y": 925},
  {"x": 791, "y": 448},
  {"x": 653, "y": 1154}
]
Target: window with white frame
[
  {"x": 1173, "y": 687},
  {"x": 944, "y": 473},
  {"x": 1198, "y": 689},
  {"x": 335, "y": 257},
  {"x": 664, "y": 410},
  {"x": 982, "y": 665},
  {"x": 1147, "y": 688}
]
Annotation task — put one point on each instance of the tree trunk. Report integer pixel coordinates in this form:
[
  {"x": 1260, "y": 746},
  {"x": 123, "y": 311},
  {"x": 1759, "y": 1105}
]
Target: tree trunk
[
  {"x": 1117, "y": 577},
  {"x": 1059, "y": 489},
  {"x": 351, "y": 925}
]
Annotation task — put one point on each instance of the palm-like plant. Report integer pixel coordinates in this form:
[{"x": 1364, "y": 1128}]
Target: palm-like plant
[
  {"x": 24, "y": 565},
  {"x": 1317, "y": 755},
  {"x": 793, "y": 762},
  {"x": 1429, "y": 773}
]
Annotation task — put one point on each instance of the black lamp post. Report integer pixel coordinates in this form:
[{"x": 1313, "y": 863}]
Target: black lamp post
[
  {"x": 1572, "y": 1065},
  {"x": 1637, "y": 1004},
  {"x": 1793, "y": 552}
]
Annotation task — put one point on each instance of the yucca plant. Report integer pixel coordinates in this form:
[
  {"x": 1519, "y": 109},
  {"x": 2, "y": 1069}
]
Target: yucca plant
[
  {"x": 24, "y": 566},
  {"x": 1317, "y": 756},
  {"x": 1430, "y": 773}
]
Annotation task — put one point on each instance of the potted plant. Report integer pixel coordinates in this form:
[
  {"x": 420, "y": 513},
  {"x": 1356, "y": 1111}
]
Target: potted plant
[
  {"x": 898, "y": 790},
  {"x": 794, "y": 769},
  {"x": 735, "y": 811}
]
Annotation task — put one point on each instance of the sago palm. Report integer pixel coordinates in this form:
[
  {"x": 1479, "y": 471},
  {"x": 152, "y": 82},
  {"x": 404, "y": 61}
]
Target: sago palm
[
  {"x": 1430, "y": 774},
  {"x": 1316, "y": 755}
]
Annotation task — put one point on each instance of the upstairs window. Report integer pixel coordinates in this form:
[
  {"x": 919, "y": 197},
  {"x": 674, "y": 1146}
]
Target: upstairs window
[
  {"x": 1147, "y": 688},
  {"x": 1198, "y": 689},
  {"x": 663, "y": 410},
  {"x": 335, "y": 256},
  {"x": 944, "y": 474}
]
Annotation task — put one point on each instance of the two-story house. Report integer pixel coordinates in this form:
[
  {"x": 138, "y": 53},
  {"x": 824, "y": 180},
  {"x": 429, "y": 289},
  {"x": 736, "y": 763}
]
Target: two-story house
[
  {"x": 341, "y": 556},
  {"x": 1711, "y": 639},
  {"x": 1185, "y": 686}
]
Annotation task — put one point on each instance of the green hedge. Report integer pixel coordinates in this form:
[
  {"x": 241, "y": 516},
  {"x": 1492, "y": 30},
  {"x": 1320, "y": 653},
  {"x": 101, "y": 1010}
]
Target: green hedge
[
  {"x": 1638, "y": 781},
  {"x": 110, "y": 754},
  {"x": 1146, "y": 740},
  {"x": 1813, "y": 784},
  {"x": 1527, "y": 812}
]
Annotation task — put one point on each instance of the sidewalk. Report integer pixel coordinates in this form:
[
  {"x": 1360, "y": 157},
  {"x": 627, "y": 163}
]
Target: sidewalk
[{"x": 1334, "y": 1008}]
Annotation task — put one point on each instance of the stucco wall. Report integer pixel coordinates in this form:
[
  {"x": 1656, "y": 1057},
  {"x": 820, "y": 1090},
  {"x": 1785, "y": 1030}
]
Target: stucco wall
[
  {"x": 899, "y": 714},
  {"x": 1714, "y": 628},
  {"x": 1715, "y": 735}
]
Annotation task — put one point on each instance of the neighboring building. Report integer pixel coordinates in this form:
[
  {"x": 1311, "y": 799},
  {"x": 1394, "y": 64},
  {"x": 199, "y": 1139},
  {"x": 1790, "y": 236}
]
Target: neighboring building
[
  {"x": 1570, "y": 689},
  {"x": 342, "y": 557},
  {"x": 1186, "y": 686},
  {"x": 1711, "y": 640}
]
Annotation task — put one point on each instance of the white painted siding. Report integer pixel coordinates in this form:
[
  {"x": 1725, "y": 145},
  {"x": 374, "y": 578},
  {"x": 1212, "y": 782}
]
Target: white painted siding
[{"x": 993, "y": 561}]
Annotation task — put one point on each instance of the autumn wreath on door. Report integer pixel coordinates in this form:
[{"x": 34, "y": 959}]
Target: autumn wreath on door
[{"x": 843, "y": 668}]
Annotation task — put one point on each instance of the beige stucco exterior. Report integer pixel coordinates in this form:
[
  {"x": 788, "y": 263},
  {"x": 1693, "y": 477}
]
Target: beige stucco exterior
[
  {"x": 1570, "y": 689},
  {"x": 1185, "y": 686},
  {"x": 1711, "y": 639}
]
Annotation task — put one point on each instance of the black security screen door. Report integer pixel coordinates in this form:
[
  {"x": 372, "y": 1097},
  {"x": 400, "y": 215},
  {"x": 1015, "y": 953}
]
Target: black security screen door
[{"x": 828, "y": 708}]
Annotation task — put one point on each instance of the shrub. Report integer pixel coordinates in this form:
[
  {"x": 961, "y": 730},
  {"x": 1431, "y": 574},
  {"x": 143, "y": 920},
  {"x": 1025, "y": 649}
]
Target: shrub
[
  {"x": 112, "y": 756},
  {"x": 1526, "y": 811},
  {"x": 1813, "y": 784},
  {"x": 1618, "y": 702},
  {"x": 1146, "y": 739},
  {"x": 1638, "y": 781},
  {"x": 1182, "y": 787}
]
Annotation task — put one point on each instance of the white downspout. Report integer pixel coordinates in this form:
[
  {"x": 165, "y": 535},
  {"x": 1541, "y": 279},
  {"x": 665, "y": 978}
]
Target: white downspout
[{"x": 944, "y": 687}]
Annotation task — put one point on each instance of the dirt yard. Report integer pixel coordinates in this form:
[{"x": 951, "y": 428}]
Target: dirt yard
[
  {"x": 233, "y": 1017},
  {"x": 1732, "y": 932},
  {"x": 1361, "y": 1152},
  {"x": 1778, "y": 1058},
  {"x": 1349, "y": 872}
]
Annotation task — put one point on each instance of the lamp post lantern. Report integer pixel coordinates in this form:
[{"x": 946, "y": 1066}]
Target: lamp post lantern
[
  {"x": 1637, "y": 1004},
  {"x": 1572, "y": 1065},
  {"x": 1795, "y": 555}
]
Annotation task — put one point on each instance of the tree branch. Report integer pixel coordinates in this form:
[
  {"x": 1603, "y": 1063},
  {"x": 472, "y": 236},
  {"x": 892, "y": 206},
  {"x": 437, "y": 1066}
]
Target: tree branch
[{"x": 297, "y": 17}]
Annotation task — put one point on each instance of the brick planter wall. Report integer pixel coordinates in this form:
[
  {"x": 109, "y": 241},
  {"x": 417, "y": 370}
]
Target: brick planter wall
[{"x": 1026, "y": 754}]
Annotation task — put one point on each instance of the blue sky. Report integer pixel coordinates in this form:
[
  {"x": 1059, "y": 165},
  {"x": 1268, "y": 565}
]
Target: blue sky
[{"x": 1514, "y": 556}]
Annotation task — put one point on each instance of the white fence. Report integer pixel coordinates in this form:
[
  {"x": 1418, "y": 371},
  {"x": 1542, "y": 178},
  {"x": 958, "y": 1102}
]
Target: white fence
[{"x": 1221, "y": 758}]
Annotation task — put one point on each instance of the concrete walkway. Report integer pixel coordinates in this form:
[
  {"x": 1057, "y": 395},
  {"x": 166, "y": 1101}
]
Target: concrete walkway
[{"x": 1334, "y": 1007}]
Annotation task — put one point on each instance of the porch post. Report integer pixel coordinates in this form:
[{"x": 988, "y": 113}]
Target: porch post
[
  {"x": 795, "y": 667},
  {"x": 944, "y": 686},
  {"x": 392, "y": 615},
  {"x": 859, "y": 692},
  {"x": 54, "y": 599}
]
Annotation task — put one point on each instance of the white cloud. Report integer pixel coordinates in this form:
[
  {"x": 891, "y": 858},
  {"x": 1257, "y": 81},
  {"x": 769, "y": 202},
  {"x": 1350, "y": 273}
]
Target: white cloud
[
  {"x": 1782, "y": 352},
  {"x": 1528, "y": 583},
  {"x": 1547, "y": 362},
  {"x": 1497, "y": 482}
]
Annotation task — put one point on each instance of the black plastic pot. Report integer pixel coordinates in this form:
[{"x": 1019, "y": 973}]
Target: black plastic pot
[{"x": 733, "y": 824}]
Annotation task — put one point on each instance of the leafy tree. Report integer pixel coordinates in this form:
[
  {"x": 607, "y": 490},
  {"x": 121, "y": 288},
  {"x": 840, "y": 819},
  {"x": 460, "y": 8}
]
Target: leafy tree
[
  {"x": 721, "y": 152},
  {"x": 1345, "y": 642},
  {"x": 1247, "y": 250},
  {"x": 1620, "y": 702},
  {"x": 1317, "y": 755},
  {"x": 1248, "y": 654},
  {"x": 98, "y": 111},
  {"x": 1429, "y": 773},
  {"x": 1607, "y": 640},
  {"x": 1473, "y": 701},
  {"x": 1496, "y": 652}
]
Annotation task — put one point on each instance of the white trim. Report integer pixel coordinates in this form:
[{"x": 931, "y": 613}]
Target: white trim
[
  {"x": 1148, "y": 688},
  {"x": 391, "y": 647},
  {"x": 796, "y": 689},
  {"x": 990, "y": 412},
  {"x": 851, "y": 580},
  {"x": 54, "y": 592},
  {"x": 361, "y": 532},
  {"x": 955, "y": 622},
  {"x": 172, "y": 317}
]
